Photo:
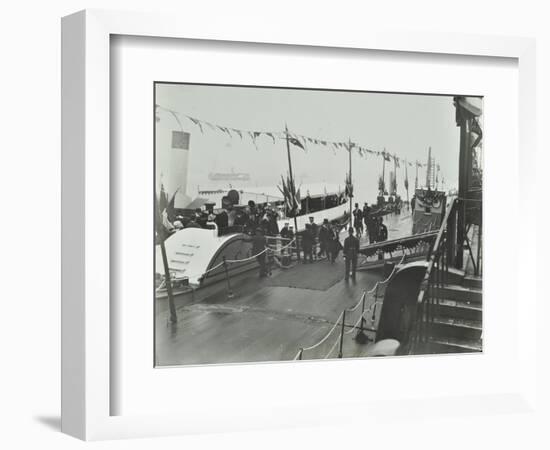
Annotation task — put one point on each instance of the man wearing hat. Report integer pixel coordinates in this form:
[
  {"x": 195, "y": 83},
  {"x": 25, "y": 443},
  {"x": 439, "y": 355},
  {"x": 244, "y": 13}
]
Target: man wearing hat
[
  {"x": 307, "y": 243},
  {"x": 314, "y": 230},
  {"x": 351, "y": 253}
]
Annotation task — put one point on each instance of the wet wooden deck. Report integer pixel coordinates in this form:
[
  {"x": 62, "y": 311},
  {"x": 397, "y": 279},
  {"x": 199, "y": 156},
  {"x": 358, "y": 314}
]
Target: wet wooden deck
[{"x": 262, "y": 322}]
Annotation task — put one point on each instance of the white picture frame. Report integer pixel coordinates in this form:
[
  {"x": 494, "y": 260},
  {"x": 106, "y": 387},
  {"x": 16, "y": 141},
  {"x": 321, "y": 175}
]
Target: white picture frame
[{"x": 86, "y": 216}]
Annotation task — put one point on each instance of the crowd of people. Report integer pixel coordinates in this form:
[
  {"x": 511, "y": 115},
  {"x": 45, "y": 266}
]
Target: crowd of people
[
  {"x": 314, "y": 242},
  {"x": 231, "y": 219},
  {"x": 364, "y": 221}
]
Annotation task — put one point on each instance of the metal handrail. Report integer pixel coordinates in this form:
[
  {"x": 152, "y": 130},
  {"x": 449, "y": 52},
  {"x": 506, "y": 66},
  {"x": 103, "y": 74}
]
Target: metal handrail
[{"x": 434, "y": 250}]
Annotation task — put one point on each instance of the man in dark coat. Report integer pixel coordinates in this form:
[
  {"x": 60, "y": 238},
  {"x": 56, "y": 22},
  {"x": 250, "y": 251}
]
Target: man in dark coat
[
  {"x": 358, "y": 220},
  {"x": 314, "y": 234},
  {"x": 369, "y": 223},
  {"x": 351, "y": 253},
  {"x": 273, "y": 225},
  {"x": 222, "y": 221},
  {"x": 382, "y": 230},
  {"x": 334, "y": 245},
  {"x": 285, "y": 232},
  {"x": 324, "y": 233}
]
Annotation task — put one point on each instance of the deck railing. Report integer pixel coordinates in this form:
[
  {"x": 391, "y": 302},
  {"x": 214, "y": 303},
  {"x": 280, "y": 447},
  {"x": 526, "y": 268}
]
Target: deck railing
[{"x": 351, "y": 323}]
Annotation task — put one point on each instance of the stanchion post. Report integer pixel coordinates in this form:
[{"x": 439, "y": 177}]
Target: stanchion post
[
  {"x": 363, "y": 312},
  {"x": 340, "y": 352},
  {"x": 361, "y": 337},
  {"x": 229, "y": 291}
]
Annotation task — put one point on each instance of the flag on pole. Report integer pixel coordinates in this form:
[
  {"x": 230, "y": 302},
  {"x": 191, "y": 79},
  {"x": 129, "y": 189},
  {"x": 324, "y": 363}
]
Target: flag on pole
[
  {"x": 291, "y": 196},
  {"x": 349, "y": 186},
  {"x": 296, "y": 142}
]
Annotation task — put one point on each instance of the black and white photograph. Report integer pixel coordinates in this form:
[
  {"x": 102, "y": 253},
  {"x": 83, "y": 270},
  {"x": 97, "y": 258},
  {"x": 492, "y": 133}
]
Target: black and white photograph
[{"x": 298, "y": 224}]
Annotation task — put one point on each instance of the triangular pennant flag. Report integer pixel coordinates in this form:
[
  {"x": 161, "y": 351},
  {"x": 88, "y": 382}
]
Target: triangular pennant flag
[
  {"x": 271, "y": 136},
  {"x": 254, "y": 135},
  {"x": 296, "y": 142},
  {"x": 196, "y": 122}
]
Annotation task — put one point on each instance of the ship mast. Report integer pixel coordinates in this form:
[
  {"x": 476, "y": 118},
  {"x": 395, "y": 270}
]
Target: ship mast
[
  {"x": 383, "y": 173},
  {"x": 407, "y": 181},
  {"x": 395, "y": 174},
  {"x": 351, "y": 184},
  {"x": 293, "y": 193},
  {"x": 429, "y": 169}
]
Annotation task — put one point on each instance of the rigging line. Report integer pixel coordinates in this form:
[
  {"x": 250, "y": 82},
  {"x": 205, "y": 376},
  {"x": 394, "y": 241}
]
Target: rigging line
[{"x": 278, "y": 134}]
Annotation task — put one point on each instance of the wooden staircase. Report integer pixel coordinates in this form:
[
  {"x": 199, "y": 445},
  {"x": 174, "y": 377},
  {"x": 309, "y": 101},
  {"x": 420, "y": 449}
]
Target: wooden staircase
[{"x": 456, "y": 325}]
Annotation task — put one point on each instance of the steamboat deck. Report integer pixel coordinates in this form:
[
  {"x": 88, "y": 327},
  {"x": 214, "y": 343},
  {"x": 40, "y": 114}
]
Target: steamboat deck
[{"x": 272, "y": 318}]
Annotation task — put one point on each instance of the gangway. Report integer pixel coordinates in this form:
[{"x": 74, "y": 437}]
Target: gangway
[{"x": 412, "y": 243}]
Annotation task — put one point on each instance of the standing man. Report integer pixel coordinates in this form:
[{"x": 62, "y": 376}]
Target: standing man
[
  {"x": 351, "y": 253},
  {"x": 382, "y": 230},
  {"x": 273, "y": 225},
  {"x": 314, "y": 234},
  {"x": 285, "y": 232},
  {"x": 334, "y": 245},
  {"x": 259, "y": 244},
  {"x": 291, "y": 235},
  {"x": 324, "y": 233},
  {"x": 368, "y": 221},
  {"x": 285, "y": 251},
  {"x": 358, "y": 220},
  {"x": 307, "y": 243}
]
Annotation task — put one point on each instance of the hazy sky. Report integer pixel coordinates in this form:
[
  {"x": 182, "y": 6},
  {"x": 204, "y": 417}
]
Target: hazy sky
[{"x": 403, "y": 124}]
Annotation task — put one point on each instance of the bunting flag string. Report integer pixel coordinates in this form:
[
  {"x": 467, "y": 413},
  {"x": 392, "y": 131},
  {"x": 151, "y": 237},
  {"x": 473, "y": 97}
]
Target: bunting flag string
[{"x": 298, "y": 140}]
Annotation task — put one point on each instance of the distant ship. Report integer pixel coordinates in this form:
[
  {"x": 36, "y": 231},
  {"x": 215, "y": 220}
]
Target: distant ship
[{"x": 229, "y": 176}]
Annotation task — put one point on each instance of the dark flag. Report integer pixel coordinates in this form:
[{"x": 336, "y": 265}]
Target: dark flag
[
  {"x": 163, "y": 199},
  {"x": 180, "y": 140},
  {"x": 296, "y": 142},
  {"x": 170, "y": 208},
  {"x": 349, "y": 186},
  {"x": 197, "y": 123}
]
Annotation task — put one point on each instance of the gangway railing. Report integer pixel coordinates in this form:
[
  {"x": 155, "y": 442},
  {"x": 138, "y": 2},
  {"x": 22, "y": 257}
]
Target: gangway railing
[{"x": 442, "y": 256}]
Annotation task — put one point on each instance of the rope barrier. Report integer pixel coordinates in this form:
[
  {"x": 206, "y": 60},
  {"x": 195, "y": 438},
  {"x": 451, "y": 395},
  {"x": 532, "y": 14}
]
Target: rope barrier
[
  {"x": 362, "y": 316},
  {"x": 332, "y": 349},
  {"x": 326, "y": 336},
  {"x": 368, "y": 310},
  {"x": 358, "y": 303}
]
